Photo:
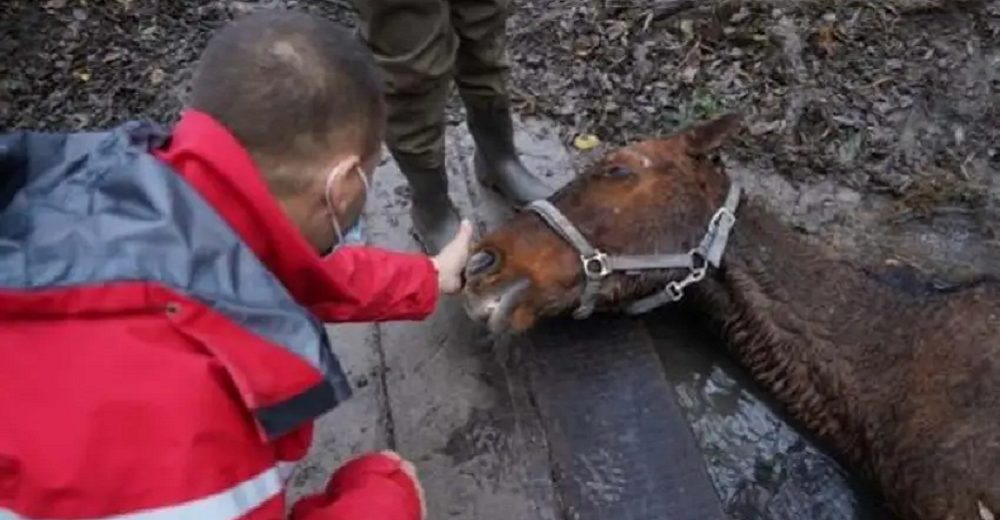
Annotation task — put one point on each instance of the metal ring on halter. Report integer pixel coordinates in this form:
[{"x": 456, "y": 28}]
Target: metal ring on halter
[
  {"x": 598, "y": 260},
  {"x": 699, "y": 266},
  {"x": 724, "y": 214},
  {"x": 674, "y": 291}
]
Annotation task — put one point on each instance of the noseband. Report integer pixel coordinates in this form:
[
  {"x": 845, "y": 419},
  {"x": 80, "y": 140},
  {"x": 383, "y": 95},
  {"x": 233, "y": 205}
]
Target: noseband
[{"x": 598, "y": 265}]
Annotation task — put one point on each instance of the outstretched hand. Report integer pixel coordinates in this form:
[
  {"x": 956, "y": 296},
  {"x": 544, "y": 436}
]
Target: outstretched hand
[{"x": 450, "y": 262}]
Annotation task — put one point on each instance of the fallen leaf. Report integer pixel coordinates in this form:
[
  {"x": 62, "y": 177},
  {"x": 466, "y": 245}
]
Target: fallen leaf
[
  {"x": 586, "y": 142},
  {"x": 740, "y": 15},
  {"x": 157, "y": 76},
  {"x": 984, "y": 513},
  {"x": 687, "y": 27},
  {"x": 688, "y": 74},
  {"x": 826, "y": 38}
]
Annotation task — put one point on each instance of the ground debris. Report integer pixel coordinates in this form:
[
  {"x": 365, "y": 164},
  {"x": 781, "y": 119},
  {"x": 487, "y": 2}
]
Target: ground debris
[
  {"x": 871, "y": 95},
  {"x": 74, "y": 64},
  {"x": 861, "y": 92}
]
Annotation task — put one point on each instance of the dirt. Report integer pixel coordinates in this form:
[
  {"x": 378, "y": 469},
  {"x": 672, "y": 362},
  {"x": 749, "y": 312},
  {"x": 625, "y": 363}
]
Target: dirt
[
  {"x": 880, "y": 97},
  {"x": 901, "y": 98},
  {"x": 898, "y": 100},
  {"x": 79, "y": 64}
]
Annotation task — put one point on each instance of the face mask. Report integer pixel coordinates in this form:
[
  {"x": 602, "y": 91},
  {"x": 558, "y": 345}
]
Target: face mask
[{"x": 355, "y": 234}]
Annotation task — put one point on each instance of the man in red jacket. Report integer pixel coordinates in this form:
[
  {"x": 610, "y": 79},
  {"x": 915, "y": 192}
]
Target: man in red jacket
[{"x": 162, "y": 353}]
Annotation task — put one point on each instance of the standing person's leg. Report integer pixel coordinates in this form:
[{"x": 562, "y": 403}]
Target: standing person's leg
[
  {"x": 481, "y": 71},
  {"x": 414, "y": 45}
]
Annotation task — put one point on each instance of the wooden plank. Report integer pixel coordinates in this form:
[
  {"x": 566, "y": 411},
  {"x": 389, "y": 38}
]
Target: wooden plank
[
  {"x": 621, "y": 447},
  {"x": 356, "y": 425},
  {"x": 475, "y": 441}
]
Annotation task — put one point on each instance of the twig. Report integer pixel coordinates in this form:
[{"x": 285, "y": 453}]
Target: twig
[{"x": 667, "y": 8}]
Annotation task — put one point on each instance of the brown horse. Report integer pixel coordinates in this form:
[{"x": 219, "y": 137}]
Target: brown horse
[{"x": 898, "y": 376}]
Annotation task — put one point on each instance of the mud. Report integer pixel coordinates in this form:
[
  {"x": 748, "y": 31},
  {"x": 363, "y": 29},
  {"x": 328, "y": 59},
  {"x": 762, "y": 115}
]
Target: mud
[
  {"x": 762, "y": 464},
  {"x": 871, "y": 125},
  {"x": 896, "y": 97}
]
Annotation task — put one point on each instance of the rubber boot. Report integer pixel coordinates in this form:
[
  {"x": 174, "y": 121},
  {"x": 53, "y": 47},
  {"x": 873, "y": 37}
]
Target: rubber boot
[
  {"x": 497, "y": 163},
  {"x": 435, "y": 219}
]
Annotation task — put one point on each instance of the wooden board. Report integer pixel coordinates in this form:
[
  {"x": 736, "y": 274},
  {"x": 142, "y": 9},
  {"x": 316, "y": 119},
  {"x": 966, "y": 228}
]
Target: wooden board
[
  {"x": 356, "y": 425},
  {"x": 475, "y": 440},
  {"x": 620, "y": 445}
]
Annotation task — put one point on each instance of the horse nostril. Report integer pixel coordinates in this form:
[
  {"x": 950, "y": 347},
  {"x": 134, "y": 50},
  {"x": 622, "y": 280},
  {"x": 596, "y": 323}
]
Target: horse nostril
[{"x": 480, "y": 263}]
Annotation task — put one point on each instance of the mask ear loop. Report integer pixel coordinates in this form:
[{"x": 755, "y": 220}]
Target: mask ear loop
[
  {"x": 329, "y": 200},
  {"x": 329, "y": 204},
  {"x": 364, "y": 180}
]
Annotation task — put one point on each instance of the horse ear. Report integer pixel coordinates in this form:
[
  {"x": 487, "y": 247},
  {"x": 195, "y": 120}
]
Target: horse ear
[{"x": 706, "y": 137}]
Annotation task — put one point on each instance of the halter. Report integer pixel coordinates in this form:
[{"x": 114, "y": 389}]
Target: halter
[{"x": 598, "y": 265}]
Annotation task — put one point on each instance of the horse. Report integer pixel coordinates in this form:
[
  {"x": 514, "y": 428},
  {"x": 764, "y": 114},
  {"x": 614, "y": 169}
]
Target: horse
[{"x": 898, "y": 376}]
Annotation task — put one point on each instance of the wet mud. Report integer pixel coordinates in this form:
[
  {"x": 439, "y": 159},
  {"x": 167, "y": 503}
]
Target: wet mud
[{"x": 762, "y": 464}]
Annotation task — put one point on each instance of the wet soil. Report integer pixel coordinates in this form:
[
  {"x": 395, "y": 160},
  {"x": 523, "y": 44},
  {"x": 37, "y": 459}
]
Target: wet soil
[
  {"x": 84, "y": 64},
  {"x": 873, "y": 125},
  {"x": 891, "y": 107},
  {"x": 899, "y": 98}
]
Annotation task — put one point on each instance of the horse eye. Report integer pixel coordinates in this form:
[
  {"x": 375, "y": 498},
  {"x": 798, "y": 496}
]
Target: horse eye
[{"x": 619, "y": 171}]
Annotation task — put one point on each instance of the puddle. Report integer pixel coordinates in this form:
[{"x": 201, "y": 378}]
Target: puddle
[{"x": 762, "y": 466}]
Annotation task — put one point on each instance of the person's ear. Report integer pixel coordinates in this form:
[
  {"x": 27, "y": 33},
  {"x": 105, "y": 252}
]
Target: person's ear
[{"x": 341, "y": 186}]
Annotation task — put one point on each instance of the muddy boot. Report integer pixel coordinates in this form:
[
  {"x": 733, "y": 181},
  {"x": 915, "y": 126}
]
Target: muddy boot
[
  {"x": 435, "y": 219},
  {"x": 497, "y": 163}
]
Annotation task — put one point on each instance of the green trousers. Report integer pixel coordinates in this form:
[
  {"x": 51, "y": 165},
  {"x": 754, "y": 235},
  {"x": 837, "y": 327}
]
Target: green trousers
[{"x": 421, "y": 46}]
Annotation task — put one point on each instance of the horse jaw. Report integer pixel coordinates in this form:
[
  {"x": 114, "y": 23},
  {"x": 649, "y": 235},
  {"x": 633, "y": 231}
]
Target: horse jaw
[{"x": 496, "y": 307}]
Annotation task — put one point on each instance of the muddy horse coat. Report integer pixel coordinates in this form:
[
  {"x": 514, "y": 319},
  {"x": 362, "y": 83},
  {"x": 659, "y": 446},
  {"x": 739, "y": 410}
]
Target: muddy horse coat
[{"x": 901, "y": 377}]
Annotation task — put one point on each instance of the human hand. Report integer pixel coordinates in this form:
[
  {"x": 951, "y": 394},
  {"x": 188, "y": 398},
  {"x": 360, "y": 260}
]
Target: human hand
[
  {"x": 450, "y": 262},
  {"x": 374, "y": 484},
  {"x": 410, "y": 471}
]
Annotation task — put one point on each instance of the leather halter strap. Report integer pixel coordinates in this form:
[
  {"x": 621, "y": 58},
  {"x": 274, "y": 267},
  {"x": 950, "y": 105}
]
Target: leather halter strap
[{"x": 598, "y": 265}]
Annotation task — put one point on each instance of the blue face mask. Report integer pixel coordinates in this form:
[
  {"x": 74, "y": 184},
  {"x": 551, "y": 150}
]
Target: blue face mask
[{"x": 353, "y": 235}]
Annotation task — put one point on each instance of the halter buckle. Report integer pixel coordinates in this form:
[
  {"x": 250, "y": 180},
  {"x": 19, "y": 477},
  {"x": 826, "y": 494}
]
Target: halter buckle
[
  {"x": 674, "y": 291},
  {"x": 595, "y": 266},
  {"x": 723, "y": 217}
]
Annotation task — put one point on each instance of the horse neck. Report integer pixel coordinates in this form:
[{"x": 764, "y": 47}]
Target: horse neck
[{"x": 784, "y": 307}]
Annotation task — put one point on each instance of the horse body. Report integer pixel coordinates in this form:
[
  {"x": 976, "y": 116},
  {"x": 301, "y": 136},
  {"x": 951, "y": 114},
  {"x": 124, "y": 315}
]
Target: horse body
[{"x": 898, "y": 376}]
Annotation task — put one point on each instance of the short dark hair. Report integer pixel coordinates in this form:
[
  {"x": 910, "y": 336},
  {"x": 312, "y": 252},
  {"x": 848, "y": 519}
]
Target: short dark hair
[{"x": 292, "y": 88}]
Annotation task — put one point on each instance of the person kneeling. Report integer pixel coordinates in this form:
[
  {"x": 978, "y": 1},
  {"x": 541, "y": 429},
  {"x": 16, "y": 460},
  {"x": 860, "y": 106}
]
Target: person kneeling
[{"x": 163, "y": 294}]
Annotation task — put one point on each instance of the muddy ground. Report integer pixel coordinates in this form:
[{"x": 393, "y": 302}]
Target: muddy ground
[
  {"x": 873, "y": 125},
  {"x": 888, "y": 105}
]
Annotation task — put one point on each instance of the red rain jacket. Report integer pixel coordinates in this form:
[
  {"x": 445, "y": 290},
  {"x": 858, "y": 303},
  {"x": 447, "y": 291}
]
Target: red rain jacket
[{"x": 161, "y": 351}]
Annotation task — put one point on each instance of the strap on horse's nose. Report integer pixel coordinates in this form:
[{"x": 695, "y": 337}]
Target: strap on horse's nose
[{"x": 589, "y": 256}]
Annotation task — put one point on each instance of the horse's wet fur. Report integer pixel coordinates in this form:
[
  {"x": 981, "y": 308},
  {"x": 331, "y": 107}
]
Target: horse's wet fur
[{"x": 898, "y": 373}]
